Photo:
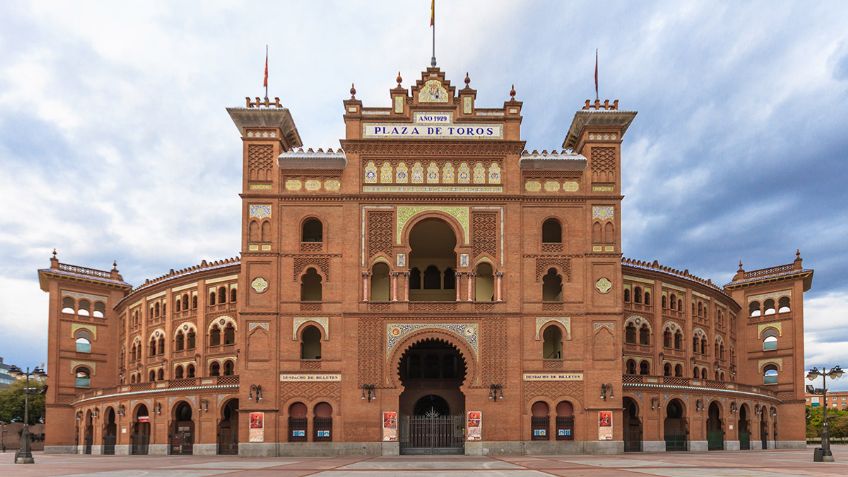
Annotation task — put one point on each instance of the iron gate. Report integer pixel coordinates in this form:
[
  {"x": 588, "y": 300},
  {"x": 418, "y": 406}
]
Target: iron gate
[{"x": 432, "y": 435}]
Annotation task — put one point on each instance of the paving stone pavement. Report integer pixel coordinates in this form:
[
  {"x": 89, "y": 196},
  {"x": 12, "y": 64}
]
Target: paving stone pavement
[{"x": 775, "y": 463}]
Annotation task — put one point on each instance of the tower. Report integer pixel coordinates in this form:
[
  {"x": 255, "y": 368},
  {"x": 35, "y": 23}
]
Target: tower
[{"x": 82, "y": 342}]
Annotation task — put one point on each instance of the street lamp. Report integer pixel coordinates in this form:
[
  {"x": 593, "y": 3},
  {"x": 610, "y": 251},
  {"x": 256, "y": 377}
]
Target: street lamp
[
  {"x": 24, "y": 454},
  {"x": 834, "y": 373}
]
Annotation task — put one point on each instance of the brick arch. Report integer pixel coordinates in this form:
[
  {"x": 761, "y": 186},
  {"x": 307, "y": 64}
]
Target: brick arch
[
  {"x": 472, "y": 373},
  {"x": 453, "y": 223}
]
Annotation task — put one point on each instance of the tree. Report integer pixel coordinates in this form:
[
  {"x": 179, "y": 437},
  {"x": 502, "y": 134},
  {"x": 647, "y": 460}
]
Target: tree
[
  {"x": 838, "y": 422},
  {"x": 12, "y": 402}
]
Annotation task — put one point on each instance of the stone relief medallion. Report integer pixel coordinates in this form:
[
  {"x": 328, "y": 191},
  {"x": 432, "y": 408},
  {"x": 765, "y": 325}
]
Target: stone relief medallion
[
  {"x": 259, "y": 284},
  {"x": 603, "y": 285}
]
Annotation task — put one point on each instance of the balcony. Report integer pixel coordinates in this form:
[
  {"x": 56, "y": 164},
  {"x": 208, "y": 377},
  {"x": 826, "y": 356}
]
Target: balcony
[
  {"x": 433, "y": 306},
  {"x": 213, "y": 382},
  {"x": 696, "y": 384}
]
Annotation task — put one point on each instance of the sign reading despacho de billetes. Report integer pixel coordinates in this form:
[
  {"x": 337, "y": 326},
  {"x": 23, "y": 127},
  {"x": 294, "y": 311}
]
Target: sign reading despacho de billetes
[
  {"x": 310, "y": 377},
  {"x": 553, "y": 376}
]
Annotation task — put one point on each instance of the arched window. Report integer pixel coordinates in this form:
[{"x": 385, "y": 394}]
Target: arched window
[
  {"x": 626, "y": 295},
  {"x": 310, "y": 286},
  {"x": 637, "y": 295},
  {"x": 673, "y": 302},
  {"x": 151, "y": 377},
  {"x": 540, "y": 420},
  {"x": 668, "y": 338},
  {"x": 721, "y": 351},
  {"x": 266, "y": 231},
  {"x": 160, "y": 345},
  {"x": 156, "y": 310},
  {"x": 313, "y": 231},
  {"x": 68, "y": 305},
  {"x": 450, "y": 279},
  {"x": 664, "y": 302},
  {"x": 769, "y": 306},
  {"x": 644, "y": 368},
  {"x": 152, "y": 350},
  {"x": 484, "y": 283},
  {"x": 191, "y": 339},
  {"x": 322, "y": 422},
  {"x": 298, "y": 422},
  {"x": 99, "y": 309},
  {"x": 783, "y": 305},
  {"x": 222, "y": 295},
  {"x": 185, "y": 302},
  {"x": 432, "y": 278},
  {"x": 552, "y": 344},
  {"x": 83, "y": 341},
  {"x": 703, "y": 345},
  {"x": 178, "y": 372},
  {"x": 597, "y": 233},
  {"x": 233, "y": 294},
  {"x": 644, "y": 335},
  {"x": 194, "y": 302},
  {"x": 609, "y": 233},
  {"x": 132, "y": 379},
  {"x": 695, "y": 348},
  {"x": 704, "y": 373},
  {"x": 647, "y": 297},
  {"x": 678, "y": 340},
  {"x": 229, "y": 368},
  {"x": 179, "y": 341},
  {"x": 214, "y": 369},
  {"x": 212, "y": 297},
  {"x": 190, "y": 371},
  {"x": 253, "y": 231},
  {"x": 310, "y": 343},
  {"x": 754, "y": 309},
  {"x": 380, "y": 283},
  {"x": 667, "y": 369},
  {"x": 700, "y": 309},
  {"x": 84, "y": 308},
  {"x": 551, "y": 231},
  {"x": 229, "y": 334},
  {"x": 680, "y": 305},
  {"x": 215, "y": 336},
  {"x": 631, "y": 366},
  {"x": 630, "y": 334},
  {"x": 161, "y": 374},
  {"x": 82, "y": 378},
  {"x": 552, "y": 286},
  {"x": 770, "y": 339},
  {"x": 414, "y": 278},
  {"x": 696, "y": 373},
  {"x": 565, "y": 421},
  {"x": 678, "y": 371},
  {"x": 177, "y": 305}
]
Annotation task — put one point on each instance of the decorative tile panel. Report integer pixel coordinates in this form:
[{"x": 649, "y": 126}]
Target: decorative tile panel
[
  {"x": 260, "y": 211},
  {"x": 396, "y": 332},
  {"x": 603, "y": 212}
]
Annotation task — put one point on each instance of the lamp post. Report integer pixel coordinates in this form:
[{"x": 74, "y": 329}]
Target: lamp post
[
  {"x": 834, "y": 373},
  {"x": 24, "y": 454}
]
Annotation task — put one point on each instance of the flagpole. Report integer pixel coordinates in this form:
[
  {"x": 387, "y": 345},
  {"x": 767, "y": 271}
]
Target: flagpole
[
  {"x": 266, "y": 72},
  {"x": 433, "y": 24}
]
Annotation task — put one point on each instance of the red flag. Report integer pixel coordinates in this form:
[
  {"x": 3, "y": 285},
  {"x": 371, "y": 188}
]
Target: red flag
[
  {"x": 265, "y": 82},
  {"x": 596, "y": 73},
  {"x": 433, "y": 13}
]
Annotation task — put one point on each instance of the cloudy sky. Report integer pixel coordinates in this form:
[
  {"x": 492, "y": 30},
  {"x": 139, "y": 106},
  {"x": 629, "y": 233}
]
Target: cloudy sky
[{"x": 114, "y": 142}]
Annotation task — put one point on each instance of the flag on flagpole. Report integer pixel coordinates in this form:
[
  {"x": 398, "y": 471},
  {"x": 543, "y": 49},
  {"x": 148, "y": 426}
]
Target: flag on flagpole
[
  {"x": 265, "y": 81},
  {"x": 596, "y": 73},
  {"x": 432, "y": 12}
]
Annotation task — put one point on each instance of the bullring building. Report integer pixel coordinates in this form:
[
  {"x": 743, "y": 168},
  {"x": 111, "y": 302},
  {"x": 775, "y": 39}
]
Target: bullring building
[{"x": 429, "y": 287}]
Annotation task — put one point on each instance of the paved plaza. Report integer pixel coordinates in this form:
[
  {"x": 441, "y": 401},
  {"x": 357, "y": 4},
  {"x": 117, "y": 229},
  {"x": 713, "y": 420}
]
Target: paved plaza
[{"x": 722, "y": 464}]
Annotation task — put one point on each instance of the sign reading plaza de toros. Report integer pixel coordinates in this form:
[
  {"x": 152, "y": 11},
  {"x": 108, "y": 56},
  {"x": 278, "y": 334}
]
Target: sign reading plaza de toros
[{"x": 431, "y": 126}]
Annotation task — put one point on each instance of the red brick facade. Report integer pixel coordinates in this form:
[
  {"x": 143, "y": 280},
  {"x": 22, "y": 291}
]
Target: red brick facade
[{"x": 431, "y": 266}]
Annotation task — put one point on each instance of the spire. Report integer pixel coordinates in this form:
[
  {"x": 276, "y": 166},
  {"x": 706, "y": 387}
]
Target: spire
[{"x": 433, "y": 27}]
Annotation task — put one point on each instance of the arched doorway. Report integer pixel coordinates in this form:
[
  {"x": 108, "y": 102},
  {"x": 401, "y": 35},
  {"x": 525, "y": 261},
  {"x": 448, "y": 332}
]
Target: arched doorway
[
  {"x": 110, "y": 432},
  {"x": 228, "y": 428},
  {"x": 182, "y": 430},
  {"x": 88, "y": 438},
  {"x": 744, "y": 428},
  {"x": 676, "y": 427},
  {"x": 715, "y": 429},
  {"x": 432, "y": 258},
  {"x": 432, "y": 405},
  {"x": 140, "y": 437},
  {"x": 632, "y": 426}
]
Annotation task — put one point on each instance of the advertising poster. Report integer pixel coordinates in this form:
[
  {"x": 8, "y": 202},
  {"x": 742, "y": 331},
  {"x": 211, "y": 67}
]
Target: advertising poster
[
  {"x": 390, "y": 424},
  {"x": 474, "y": 425},
  {"x": 257, "y": 427},
  {"x": 604, "y": 425}
]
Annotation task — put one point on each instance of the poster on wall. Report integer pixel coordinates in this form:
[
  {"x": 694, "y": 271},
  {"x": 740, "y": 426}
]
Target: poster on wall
[
  {"x": 390, "y": 426},
  {"x": 257, "y": 427},
  {"x": 474, "y": 425},
  {"x": 604, "y": 425}
]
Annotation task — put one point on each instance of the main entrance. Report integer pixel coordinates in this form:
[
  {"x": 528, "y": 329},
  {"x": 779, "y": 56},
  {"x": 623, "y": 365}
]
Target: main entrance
[
  {"x": 432, "y": 406},
  {"x": 182, "y": 430}
]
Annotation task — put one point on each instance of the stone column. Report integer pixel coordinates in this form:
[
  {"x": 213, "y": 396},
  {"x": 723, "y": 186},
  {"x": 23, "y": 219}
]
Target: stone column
[
  {"x": 498, "y": 284},
  {"x": 458, "y": 286},
  {"x": 406, "y": 286},
  {"x": 365, "y": 281},
  {"x": 394, "y": 279},
  {"x": 470, "y": 282}
]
